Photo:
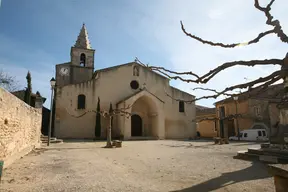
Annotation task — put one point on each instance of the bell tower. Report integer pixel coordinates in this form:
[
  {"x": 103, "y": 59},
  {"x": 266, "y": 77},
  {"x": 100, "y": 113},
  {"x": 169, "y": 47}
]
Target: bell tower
[
  {"x": 81, "y": 66},
  {"x": 81, "y": 53}
]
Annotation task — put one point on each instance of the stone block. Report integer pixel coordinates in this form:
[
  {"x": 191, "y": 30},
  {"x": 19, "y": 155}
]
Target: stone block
[
  {"x": 281, "y": 184},
  {"x": 117, "y": 143}
]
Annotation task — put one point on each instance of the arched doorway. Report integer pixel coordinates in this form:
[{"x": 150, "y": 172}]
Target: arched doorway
[{"x": 136, "y": 125}]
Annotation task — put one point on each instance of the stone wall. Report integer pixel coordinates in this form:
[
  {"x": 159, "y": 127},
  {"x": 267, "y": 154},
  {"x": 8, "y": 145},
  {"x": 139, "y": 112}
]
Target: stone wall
[
  {"x": 20, "y": 127},
  {"x": 207, "y": 129}
]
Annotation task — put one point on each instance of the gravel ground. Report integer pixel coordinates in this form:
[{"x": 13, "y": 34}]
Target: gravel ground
[{"x": 150, "y": 166}]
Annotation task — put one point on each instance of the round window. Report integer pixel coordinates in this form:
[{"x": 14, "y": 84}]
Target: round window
[{"x": 134, "y": 84}]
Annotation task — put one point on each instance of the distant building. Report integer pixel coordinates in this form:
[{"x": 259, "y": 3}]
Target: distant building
[
  {"x": 258, "y": 111},
  {"x": 153, "y": 113},
  {"x": 206, "y": 128}
]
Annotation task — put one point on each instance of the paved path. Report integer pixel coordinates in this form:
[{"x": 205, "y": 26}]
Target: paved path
[{"x": 148, "y": 166}]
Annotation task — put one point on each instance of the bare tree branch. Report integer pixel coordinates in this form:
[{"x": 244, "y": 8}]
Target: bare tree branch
[
  {"x": 208, "y": 76},
  {"x": 205, "y": 78},
  {"x": 104, "y": 113},
  {"x": 212, "y": 90},
  {"x": 268, "y": 80},
  {"x": 256, "y": 40},
  {"x": 228, "y": 117},
  {"x": 8, "y": 82},
  {"x": 253, "y": 86},
  {"x": 275, "y": 23}
]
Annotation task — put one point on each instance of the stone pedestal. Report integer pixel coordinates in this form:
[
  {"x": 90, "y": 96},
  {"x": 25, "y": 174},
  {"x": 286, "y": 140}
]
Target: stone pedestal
[
  {"x": 117, "y": 143},
  {"x": 280, "y": 174}
]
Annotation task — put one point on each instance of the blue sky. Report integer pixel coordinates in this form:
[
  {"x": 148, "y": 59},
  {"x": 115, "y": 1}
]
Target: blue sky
[{"x": 36, "y": 35}]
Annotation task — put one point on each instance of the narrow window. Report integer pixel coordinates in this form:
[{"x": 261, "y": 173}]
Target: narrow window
[
  {"x": 257, "y": 111},
  {"x": 259, "y": 133},
  {"x": 181, "y": 106},
  {"x": 264, "y": 133},
  {"x": 81, "y": 101},
  {"x": 82, "y": 59},
  {"x": 222, "y": 112},
  {"x": 245, "y": 134},
  {"x": 135, "y": 71}
]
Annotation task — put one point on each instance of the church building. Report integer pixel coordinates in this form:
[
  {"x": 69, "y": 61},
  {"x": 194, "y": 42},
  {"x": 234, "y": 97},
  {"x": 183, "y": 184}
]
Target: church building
[{"x": 143, "y": 92}]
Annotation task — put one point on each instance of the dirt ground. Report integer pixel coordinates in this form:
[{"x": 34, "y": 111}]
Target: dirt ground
[{"x": 148, "y": 166}]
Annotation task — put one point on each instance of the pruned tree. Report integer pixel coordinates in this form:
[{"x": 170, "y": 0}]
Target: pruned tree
[
  {"x": 109, "y": 128},
  {"x": 8, "y": 82},
  {"x": 251, "y": 87},
  {"x": 110, "y": 114},
  {"x": 258, "y": 84}
]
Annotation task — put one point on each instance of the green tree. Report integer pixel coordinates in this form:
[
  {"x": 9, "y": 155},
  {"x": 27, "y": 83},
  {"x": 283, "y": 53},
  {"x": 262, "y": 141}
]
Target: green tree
[
  {"x": 98, "y": 120},
  {"x": 28, "y": 90}
]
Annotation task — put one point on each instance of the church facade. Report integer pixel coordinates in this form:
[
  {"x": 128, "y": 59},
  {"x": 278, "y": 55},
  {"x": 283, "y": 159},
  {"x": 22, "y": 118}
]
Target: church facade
[{"x": 131, "y": 86}]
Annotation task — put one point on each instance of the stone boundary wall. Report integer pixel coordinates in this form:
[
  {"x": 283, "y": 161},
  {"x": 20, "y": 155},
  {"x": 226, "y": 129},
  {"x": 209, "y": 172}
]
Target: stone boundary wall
[{"x": 20, "y": 127}]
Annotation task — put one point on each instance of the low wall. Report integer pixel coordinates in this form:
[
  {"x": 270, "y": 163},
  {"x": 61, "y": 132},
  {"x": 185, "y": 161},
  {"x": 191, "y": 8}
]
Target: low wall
[{"x": 20, "y": 127}]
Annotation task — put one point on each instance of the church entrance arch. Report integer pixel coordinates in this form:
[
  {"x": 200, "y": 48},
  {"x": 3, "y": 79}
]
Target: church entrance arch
[
  {"x": 144, "y": 121},
  {"x": 136, "y": 125}
]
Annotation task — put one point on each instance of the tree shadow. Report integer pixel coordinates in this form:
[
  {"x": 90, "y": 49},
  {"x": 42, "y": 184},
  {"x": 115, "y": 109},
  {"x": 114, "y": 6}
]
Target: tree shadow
[
  {"x": 256, "y": 171},
  {"x": 190, "y": 145},
  {"x": 195, "y": 140},
  {"x": 243, "y": 144}
]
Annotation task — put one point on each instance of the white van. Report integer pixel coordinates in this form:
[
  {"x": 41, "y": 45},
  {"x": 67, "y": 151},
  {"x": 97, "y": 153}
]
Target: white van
[{"x": 251, "y": 135}]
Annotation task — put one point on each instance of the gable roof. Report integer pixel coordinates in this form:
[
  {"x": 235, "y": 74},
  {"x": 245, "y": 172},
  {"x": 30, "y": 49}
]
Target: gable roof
[
  {"x": 172, "y": 87},
  {"x": 200, "y": 107},
  {"x": 137, "y": 92},
  {"x": 272, "y": 93},
  {"x": 201, "y": 110},
  {"x": 126, "y": 64}
]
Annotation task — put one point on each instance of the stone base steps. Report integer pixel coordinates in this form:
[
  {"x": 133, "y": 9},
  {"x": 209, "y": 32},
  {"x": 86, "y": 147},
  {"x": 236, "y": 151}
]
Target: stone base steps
[
  {"x": 44, "y": 139},
  {"x": 142, "y": 138},
  {"x": 263, "y": 154}
]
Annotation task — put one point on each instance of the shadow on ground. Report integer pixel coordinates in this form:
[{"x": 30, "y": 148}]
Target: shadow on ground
[
  {"x": 239, "y": 143},
  {"x": 196, "y": 140},
  {"x": 81, "y": 140},
  {"x": 256, "y": 171},
  {"x": 190, "y": 146}
]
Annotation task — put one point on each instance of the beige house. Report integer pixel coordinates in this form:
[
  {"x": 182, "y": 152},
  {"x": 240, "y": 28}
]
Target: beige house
[
  {"x": 206, "y": 121},
  {"x": 154, "y": 114},
  {"x": 258, "y": 111}
]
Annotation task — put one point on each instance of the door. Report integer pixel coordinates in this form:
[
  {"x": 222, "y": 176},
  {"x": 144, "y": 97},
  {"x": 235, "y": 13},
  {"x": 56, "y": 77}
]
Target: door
[
  {"x": 231, "y": 129},
  {"x": 221, "y": 122},
  {"x": 136, "y": 125}
]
